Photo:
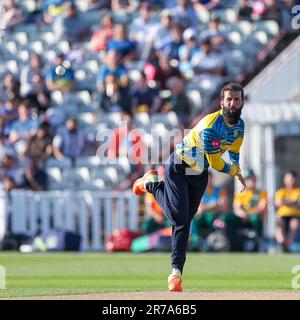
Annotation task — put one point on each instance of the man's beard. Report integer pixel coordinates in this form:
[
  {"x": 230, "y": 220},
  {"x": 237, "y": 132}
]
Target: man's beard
[{"x": 232, "y": 117}]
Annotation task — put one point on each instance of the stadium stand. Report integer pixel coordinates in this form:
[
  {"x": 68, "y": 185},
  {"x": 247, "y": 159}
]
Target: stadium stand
[{"x": 238, "y": 45}]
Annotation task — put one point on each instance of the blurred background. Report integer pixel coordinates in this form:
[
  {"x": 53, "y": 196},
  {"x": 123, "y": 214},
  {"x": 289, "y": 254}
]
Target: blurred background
[{"x": 151, "y": 65}]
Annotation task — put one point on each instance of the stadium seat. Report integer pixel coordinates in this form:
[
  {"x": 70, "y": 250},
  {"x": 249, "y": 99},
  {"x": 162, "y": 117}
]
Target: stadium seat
[
  {"x": 235, "y": 37},
  {"x": 142, "y": 119},
  {"x": 196, "y": 100},
  {"x": 95, "y": 185},
  {"x": 48, "y": 39},
  {"x": 243, "y": 27},
  {"x": 259, "y": 38},
  {"x": 61, "y": 164},
  {"x": 169, "y": 120},
  {"x": 91, "y": 162},
  {"x": 11, "y": 46},
  {"x": 108, "y": 174},
  {"x": 29, "y": 28},
  {"x": 57, "y": 98},
  {"x": 87, "y": 119},
  {"x": 271, "y": 27},
  {"x": 12, "y": 67},
  {"x": 54, "y": 175},
  {"x": 62, "y": 46},
  {"x": 123, "y": 166},
  {"x": 77, "y": 175},
  {"x": 24, "y": 56},
  {"x": 64, "y": 185},
  {"x": 21, "y": 38},
  {"x": 226, "y": 15},
  {"x": 36, "y": 46},
  {"x": 235, "y": 62}
]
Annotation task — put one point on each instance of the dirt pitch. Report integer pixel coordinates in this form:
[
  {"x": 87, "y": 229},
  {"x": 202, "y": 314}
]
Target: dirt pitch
[{"x": 156, "y": 295}]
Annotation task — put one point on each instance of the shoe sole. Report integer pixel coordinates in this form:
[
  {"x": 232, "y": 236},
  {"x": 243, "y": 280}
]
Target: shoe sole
[{"x": 136, "y": 189}]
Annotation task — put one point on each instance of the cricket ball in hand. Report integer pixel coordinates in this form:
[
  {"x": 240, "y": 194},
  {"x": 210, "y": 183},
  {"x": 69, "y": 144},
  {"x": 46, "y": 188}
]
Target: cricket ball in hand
[{"x": 60, "y": 70}]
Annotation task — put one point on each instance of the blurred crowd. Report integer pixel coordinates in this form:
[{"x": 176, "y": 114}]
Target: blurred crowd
[
  {"x": 146, "y": 56},
  {"x": 148, "y": 53},
  {"x": 240, "y": 222}
]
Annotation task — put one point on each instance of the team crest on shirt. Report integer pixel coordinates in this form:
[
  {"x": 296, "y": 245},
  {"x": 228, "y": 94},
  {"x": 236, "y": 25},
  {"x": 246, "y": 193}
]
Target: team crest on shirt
[
  {"x": 235, "y": 133},
  {"x": 216, "y": 143}
]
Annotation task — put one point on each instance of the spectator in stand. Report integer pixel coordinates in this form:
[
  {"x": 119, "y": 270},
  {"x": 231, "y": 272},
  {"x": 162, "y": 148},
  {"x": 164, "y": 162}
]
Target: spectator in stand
[
  {"x": 13, "y": 14},
  {"x": 143, "y": 27},
  {"x": 184, "y": 13},
  {"x": 33, "y": 85},
  {"x": 207, "y": 5},
  {"x": 115, "y": 98},
  {"x": 187, "y": 51},
  {"x": 63, "y": 83},
  {"x": 69, "y": 141},
  {"x": 208, "y": 65},
  {"x": 245, "y": 10},
  {"x": 162, "y": 32},
  {"x": 51, "y": 10},
  {"x": 10, "y": 89},
  {"x": 39, "y": 145},
  {"x": 127, "y": 142},
  {"x": 218, "y": 37},
  {"x": 23, "y": 128},
  {"x": 9, "y": 168},
  {"x": 273, "y": 12},
  {"x": 112, "y": 66},
  {"x": 165, "y": 70},
  {"x": 8, "y": 114},
  {"x": 103, "y": 5},
  {"x": 250, "y": 207},
  {"x": 121, "y": 43},
  {"x": 39, "y": 98},
  {"x": 145, "y": 98},
  {"x": 102, "y": 36},
  {"x": 172, "y": 49},
  {"x": 155, "y": 218},
  {"x": 287, "y": 202},
  {"x": 34, "y": 177},
  {"x": 214, "y": 203},
  {"x": 127, "y": 6},
  {"x": 178, "y": 101},
  {"x": 71, "y": 26},
  {"x": 8, "y": 185},
  {"x": 5, "y": 146},
  {"x": 28, "y": 72}
]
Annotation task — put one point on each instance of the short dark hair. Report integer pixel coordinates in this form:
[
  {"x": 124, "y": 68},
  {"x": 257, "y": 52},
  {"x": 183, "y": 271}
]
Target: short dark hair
[
  {"x": 232, "y": 86},
  {"x": 292, "y": 172}
]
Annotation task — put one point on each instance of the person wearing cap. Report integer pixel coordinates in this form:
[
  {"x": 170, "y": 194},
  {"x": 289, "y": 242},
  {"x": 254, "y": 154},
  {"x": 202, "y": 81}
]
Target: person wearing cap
[
  {"x": 287, "y": 202},
  {"x": 250, "y": 207},
  {"x": 64, "y": 82}
]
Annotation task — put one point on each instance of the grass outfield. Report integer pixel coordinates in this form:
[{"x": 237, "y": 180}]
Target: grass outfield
[{"x": 82, "y": 273}]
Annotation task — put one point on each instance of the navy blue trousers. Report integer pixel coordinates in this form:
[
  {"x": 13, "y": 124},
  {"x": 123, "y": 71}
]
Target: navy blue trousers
[{"x": 179, "y": 196}]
